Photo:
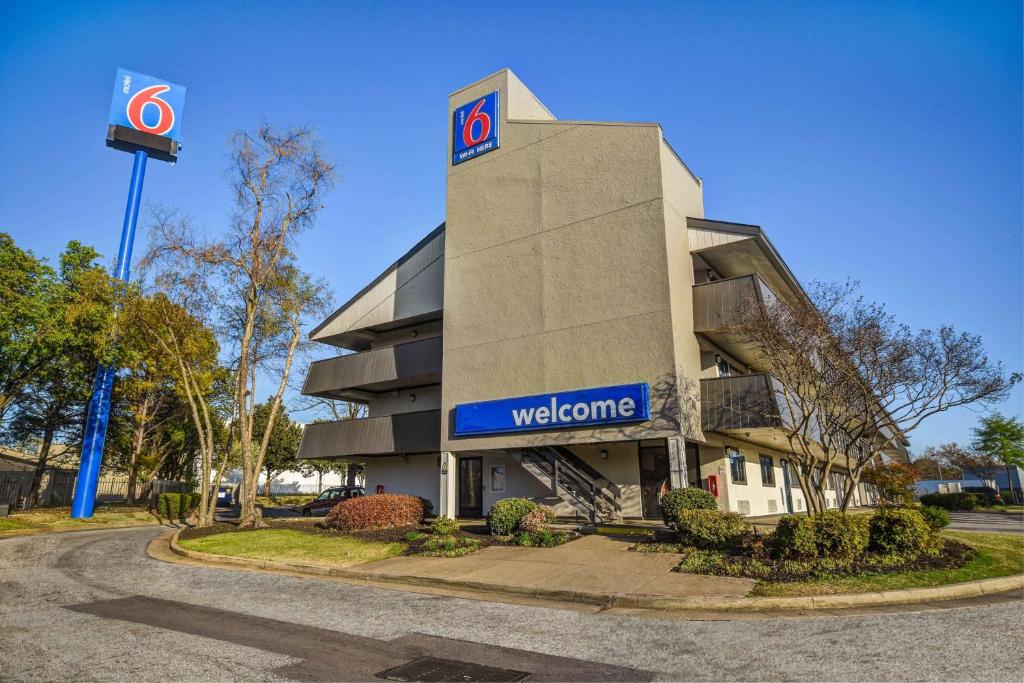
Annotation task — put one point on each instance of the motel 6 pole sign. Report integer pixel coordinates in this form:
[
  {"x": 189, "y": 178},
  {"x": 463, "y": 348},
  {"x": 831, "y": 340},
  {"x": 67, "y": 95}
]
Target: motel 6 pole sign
[{"x": 145, "y": 119}]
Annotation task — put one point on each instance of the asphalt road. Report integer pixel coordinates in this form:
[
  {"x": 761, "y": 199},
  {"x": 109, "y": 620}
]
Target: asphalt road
[
  {"x": 991, "y": 522},
  {"x": 94, "y": 606}
]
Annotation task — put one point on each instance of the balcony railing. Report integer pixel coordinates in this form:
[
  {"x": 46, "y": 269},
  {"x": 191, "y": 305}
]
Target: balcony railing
[
  {"x": 406, "y": 365},
  {"x": 740, "y": 402},
  {"x": 717, "y": 305},
  {"x": 387, "y": 435}
]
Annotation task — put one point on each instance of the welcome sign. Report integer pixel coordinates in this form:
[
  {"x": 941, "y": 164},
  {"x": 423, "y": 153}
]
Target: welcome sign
[{"x": 579, "y": 408}]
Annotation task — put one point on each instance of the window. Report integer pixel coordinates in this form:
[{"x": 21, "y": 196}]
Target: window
[
  {"x": 767, "y": 471},
  {"x": 723, "y": 366},
  {"x": 498, "y": 478},
  {"x": 737, "y": 465},
  {"x": 838, "y": 484}
]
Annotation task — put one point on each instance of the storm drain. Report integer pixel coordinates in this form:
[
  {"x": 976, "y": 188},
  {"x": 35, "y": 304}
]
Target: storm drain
[{"x": 433, "y": 669}]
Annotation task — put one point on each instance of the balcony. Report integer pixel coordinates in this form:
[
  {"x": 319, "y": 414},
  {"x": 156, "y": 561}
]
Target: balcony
[
  {"x": 741, "y": 402},
  {"x": 717, "y": 308},
  {"x": 405, "y": 433},
  {"x": 395, "y": 367}
]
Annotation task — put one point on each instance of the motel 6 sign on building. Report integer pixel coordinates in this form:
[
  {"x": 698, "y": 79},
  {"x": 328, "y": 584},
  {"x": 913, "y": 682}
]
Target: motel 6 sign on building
[{"x": 475, "y": 128}]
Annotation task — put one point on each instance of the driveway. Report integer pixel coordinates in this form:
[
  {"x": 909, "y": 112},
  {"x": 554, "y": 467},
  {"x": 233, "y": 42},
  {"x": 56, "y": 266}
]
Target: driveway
[
  {"x": 94, "y": 606},
  {"x": 992, "y": 522}
]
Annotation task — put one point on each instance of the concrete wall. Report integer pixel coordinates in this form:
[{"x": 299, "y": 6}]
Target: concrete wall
[
  {"x": 405, "y": 401},
  {"x": 557, "y": 268},
  {"x": 416, "y": 475}
]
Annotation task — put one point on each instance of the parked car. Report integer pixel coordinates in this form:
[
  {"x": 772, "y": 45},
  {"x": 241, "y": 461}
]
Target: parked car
[
  {"x": 323, "y": 503},
  {"x": 225, "y": 496},
  {"x": 986, "y": 494}
]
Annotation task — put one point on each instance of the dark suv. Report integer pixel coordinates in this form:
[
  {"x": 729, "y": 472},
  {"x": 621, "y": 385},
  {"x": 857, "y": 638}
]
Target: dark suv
[{"x": 323, "y": 503}]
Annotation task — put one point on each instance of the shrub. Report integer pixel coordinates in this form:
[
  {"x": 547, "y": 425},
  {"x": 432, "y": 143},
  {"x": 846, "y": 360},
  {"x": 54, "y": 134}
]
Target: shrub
[
  {"x": 893, "y": 481},
  {"x": 380, "y": 511},
  {"x": 936, "y": 518},
  {"x": 505, "y": 515},
  {"x": 428, "y": 506},
  {"x": 685, "y": 499},
  {"x": 443, "y": 526},
  {"x": 711, "y": 529},
  {"x": 542, "y": 539},
  {"x": 193, "y": 501},
  {"x": 449, "y": 546},
  {"x": 794, "y": 537},
  {"x": 959, "y": 501},
  {"x": 537, "y": 520},
  {"x": 898, "y": 531},
  {"x": 831, "y": 536},
  {"x": 171, "y": 505},
  {"x": 838, "y": 536}
]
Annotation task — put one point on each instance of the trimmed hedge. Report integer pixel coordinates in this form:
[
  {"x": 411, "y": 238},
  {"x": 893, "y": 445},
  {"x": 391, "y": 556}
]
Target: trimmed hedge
[
  {"x": 379, "y": 511},
  {"x": 898, "y": 531},
  {"x": 711, "y": 529},
  {"x": 176, "y": 505},
  {"x": 829, "y": 535},
  {"x": 959, "y": 501},
  {"x": 506, "y": 514},
  {"x": 685, "y": 499}
]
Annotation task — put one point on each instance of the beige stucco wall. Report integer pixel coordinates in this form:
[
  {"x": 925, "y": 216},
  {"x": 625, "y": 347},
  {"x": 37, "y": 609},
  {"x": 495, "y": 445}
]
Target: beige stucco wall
[{"x": 558, "y": 268}]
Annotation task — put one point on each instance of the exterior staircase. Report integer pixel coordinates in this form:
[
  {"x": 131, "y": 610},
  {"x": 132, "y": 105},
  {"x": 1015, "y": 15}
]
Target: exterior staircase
[{"x": 574, "y": 481}]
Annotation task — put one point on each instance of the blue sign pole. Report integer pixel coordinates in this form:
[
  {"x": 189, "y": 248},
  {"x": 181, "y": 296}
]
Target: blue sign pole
[{"x": 99, "y": 405}]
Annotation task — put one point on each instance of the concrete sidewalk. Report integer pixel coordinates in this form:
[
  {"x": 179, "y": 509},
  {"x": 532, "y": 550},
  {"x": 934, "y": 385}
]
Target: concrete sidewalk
[{"x": 592, "y": 564}]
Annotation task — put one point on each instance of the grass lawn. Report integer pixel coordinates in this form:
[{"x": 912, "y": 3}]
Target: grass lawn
[
  {"x": 998, "y": 555},
  {"x": 1002, "y": 508},
  {"x": 289, "y": 545},
  {"x": 56, "y": 519}
]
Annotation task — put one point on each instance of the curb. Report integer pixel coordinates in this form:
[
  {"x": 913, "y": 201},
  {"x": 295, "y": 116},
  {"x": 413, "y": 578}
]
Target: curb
[{"x": 910, "y": 596}]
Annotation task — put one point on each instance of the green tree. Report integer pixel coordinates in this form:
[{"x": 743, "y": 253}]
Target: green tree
[
  {"x": 190, "y": 347},
  {"x": 25, "y": 318},
  {"x": 282, "y": 444},
  {"x": 1002, "y": 438},
  {"x": 320, "y": 467},
  {"x": 56, "y": 367}
]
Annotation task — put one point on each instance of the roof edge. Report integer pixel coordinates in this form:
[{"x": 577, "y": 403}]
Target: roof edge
[{"x": 387, "y": 271}]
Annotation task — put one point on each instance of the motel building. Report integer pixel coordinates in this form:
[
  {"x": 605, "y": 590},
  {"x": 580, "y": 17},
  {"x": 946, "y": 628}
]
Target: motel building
[{"x": 564, "y": 334}]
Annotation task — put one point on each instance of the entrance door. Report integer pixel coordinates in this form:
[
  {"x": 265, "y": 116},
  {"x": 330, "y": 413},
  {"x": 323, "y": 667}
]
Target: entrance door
[
  {"x": 471, "y": 482},
  {"x": 654, "y": 474},
  {"x": 786, "y": 491}
]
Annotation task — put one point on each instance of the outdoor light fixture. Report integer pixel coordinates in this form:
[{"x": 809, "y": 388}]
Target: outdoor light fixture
[{"x": 604, "y": 454}]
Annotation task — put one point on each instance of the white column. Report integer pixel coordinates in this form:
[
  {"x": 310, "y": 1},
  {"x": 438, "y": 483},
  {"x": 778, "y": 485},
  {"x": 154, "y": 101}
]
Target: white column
[
  {"x": 677, "y": 463},
  {"x": 449, "y": 486}
]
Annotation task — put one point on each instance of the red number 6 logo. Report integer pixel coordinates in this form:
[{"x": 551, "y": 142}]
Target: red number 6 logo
[
  {"x": 137, "y": 104},
  {"x": 485, "y": 126}
]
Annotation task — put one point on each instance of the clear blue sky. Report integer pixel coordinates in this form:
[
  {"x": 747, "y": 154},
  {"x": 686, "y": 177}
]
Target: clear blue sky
[{"x": 879, "y": 141}]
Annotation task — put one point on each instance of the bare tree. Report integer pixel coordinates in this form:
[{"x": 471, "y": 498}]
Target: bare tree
[
  {"x": 855, "y": 382},
  {"x": 968, "y": 462},
  {"x": 262, "y": 297}
]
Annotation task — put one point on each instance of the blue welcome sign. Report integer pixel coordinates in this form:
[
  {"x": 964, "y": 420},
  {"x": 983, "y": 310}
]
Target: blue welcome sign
[
  {"x": 579, "y": 408},
  {"x": 147, "y": 104},
  {"x": 475, "y": 128}
]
